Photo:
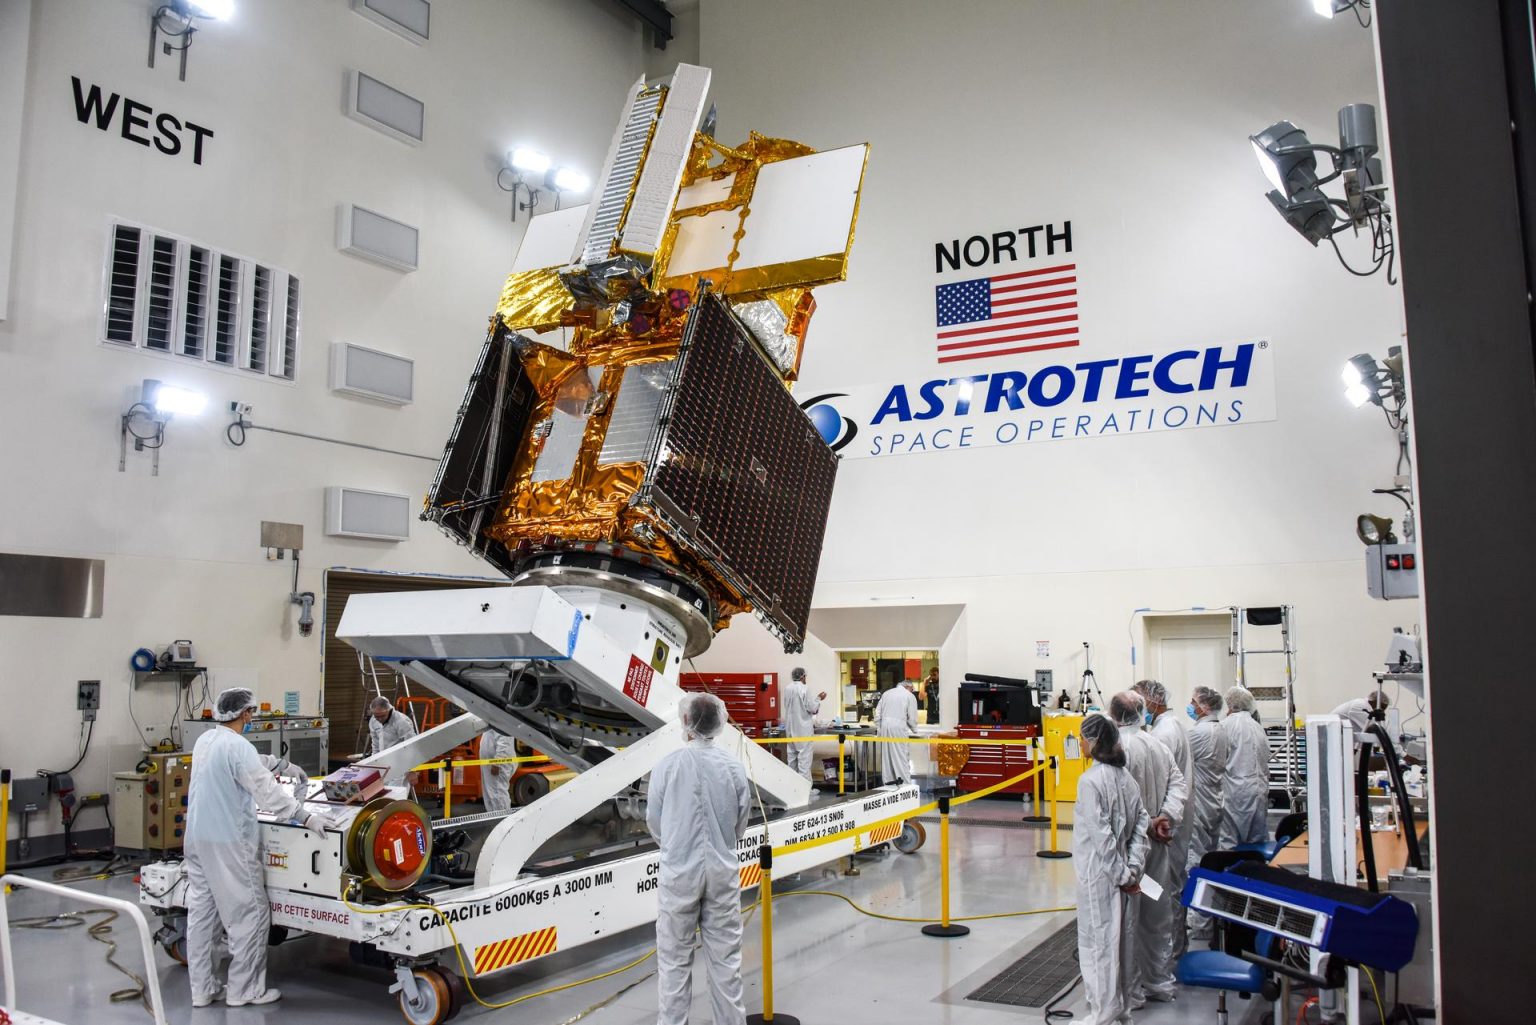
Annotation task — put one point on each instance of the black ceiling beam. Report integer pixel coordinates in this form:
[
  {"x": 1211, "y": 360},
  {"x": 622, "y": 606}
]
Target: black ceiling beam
[{"x": 655, "y": 14}]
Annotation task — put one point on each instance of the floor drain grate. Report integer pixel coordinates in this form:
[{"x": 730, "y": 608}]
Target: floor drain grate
[{"x": 1037, "y": 977}]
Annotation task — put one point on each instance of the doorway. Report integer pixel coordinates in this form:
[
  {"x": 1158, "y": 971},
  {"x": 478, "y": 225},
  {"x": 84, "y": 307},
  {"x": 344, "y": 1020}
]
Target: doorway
[{"x": 864, "y": 675}]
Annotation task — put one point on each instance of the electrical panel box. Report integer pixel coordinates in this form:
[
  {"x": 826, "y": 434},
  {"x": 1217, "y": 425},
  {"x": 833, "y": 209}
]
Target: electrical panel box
[
  {"x": 151, "y": 805},
  {"x": 1392, "y": 571},
  {"x": 88, "y": 698},
  {"x": 1043, "y": 685},
  {"x": 128, "y": 811}
]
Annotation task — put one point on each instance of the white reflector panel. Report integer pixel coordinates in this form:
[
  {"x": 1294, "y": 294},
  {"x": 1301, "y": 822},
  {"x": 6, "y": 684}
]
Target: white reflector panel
[
  {"x": 802, "y": 207},
  {"x": 549, "y": 238},
  {"x": 409, "y": 19},
  {"x": 385, "y": 108},
  {"x": 375, "y": 515},
  {"x": 373, "y": 374},
  {"x": 375, "y": 237}
]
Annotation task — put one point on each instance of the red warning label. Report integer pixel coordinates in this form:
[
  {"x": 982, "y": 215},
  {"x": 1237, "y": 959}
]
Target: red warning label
[{"x": 637, "y": 682}]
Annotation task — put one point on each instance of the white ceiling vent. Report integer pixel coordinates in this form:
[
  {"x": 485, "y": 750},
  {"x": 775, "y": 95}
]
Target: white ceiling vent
[
  {"x": 356, "y": 370},
  {"x": 373, "y": 515},
  {"x": 385, "y": 108},
  {"x": 409, "y": 19},
  {"x": 375, "y": 237}
]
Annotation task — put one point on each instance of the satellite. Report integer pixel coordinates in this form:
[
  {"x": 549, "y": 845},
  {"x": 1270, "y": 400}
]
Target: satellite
[{"x": 651, "y": 446}]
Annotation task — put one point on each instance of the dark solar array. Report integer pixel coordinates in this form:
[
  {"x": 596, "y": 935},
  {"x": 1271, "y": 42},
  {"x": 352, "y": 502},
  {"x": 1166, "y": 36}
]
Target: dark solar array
[
  {"x": 747, "y": 480},
  {"x": 1037, "y": 977},
  {"x": 464, "y": 496}
]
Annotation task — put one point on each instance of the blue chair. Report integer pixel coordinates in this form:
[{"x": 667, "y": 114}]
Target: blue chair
[
  {"x": 1218, "y": 970},
  {"x": 1286, "y": 830}
]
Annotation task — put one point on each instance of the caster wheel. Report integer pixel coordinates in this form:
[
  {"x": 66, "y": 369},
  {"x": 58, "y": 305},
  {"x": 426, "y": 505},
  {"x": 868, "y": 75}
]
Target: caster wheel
[
  {"x": 432, "y": 999},
  {"x": 458, "y": 993},
  {"x": 529, "y": 788},
  {"x": 276, "y": 934},
  {"x": 177, "y": 948},
  {"x": 912, "y": 837}
]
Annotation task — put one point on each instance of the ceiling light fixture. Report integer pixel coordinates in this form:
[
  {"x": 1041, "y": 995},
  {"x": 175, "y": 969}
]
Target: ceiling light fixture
[{"x": 1289, "y": 160}]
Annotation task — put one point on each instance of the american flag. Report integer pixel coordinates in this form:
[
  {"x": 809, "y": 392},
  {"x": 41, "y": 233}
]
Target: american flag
[{"x": 1025, "y": 311}]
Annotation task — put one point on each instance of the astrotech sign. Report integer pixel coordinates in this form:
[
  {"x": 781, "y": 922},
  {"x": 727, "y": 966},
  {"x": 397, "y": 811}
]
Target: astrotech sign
[{"x": 1197, "y": 386}]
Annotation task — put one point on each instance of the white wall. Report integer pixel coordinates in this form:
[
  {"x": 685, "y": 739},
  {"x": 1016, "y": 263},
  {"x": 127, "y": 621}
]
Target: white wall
[
  {"x": 182, "y": 551},
  {"x": 1131, "y": 121}
]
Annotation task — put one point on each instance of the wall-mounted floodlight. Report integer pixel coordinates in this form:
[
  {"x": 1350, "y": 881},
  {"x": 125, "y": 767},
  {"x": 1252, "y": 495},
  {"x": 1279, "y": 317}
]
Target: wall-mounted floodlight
[
  {"x": 525, "y": 159},
  {"x": 145, "y": 420},
  {"x": 1366, "y": 380},
  {"x": 1374, "y": 530},
  {"x": 567, "y": 180},
  {"x": 524, "y": 163},
  {"x": 1361, "y": 9},
  {"x": 176, "y": 21},
  {"x": 1289, "y": 160}
]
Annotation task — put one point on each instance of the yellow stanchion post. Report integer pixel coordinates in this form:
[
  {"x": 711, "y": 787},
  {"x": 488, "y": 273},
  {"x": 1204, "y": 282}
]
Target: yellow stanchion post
[
  {"x": 1054, "y": 852},
  {"x": 5, "y": 815},
  {"x": 447, "y": 788},
  {"x": 945, "y": 928},
  {"x": 841, "y": 741},
  {"x": 1036, "y": 812},
  {"x": 765, "y": 896}
]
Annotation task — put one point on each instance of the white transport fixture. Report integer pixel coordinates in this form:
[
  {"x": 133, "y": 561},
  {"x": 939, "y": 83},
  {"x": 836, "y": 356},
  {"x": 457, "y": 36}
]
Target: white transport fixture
[{"x": 586, "y": 675}]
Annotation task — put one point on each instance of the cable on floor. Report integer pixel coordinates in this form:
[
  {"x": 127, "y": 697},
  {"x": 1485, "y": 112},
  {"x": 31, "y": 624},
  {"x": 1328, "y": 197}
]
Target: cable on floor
[
  {"x": 101, "y": 932},
  {"x": 918, "y": 921}
]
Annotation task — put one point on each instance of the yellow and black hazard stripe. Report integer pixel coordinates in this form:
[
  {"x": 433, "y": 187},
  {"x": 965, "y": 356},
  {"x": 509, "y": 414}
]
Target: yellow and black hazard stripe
[
  {"x": 495, "y": 956},
  {"x": 884, "y": 833},
  {"x": 751, "y": 875}
]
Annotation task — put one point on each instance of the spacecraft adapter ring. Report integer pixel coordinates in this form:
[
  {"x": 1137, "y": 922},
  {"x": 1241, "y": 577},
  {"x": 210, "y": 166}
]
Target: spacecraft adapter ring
[{"x": 677, "y": 598}]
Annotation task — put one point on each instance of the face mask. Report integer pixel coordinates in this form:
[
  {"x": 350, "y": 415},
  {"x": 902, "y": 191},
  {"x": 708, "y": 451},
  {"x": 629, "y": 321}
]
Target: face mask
[
  {"x": 1148, "y": 717},
  {"x": 1192, "y": 713}
]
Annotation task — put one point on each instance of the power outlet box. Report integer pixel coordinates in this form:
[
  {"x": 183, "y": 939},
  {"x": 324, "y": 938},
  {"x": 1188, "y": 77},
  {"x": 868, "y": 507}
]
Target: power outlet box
[
  {"x": 1043, "y": 680},
  {"x": 88, "y": 698}
]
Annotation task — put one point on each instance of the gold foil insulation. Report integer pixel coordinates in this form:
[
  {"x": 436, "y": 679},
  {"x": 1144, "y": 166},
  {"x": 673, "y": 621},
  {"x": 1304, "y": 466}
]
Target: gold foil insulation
[{"x": 627, "y": 312}]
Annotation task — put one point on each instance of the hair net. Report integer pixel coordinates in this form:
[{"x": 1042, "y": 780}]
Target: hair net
[
  {"x": 797, "y": 673},
  {"x": 379, "y": 702},
  {"x": 1102, "y": 738},
  {"x": 703, "y": 714},
  {"x": 1126, "y": 708},
  {"x": 909, "y": 684},
  {"x": 1377, "y": 699},
  {"x": 1154, "y": 692},
  {"x": 1207, "y": 700},
  {"x": 232, "y": 702},
  {"x": 1239, "y": 699}
]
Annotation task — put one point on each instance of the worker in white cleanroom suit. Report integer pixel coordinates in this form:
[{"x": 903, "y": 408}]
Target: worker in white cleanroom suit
[
  {"x": 1171, "y": 729},
  {"x": 1359, "y": 712},
  {"x": 896, "y": 716},
  {"x": 697, "y": 806},
  {"x": 388, "y": 726},
  {"x": 496, "y": 780},
  {"x": 1245, "y": 787},
  {"x": 226, "y": 885},
  {"x": 799, "y": 719},
  {"x": 1149, "y": 976},
  {"x": 1109, "y": 847},
  {"x": 1208, "y": 751}
]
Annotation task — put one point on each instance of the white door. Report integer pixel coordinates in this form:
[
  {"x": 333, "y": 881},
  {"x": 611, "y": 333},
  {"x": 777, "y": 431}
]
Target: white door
[{"x": 1184, "y": 663}]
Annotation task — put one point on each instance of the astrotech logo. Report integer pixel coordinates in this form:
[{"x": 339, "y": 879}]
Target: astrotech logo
[{"x": 835, "y": 429}]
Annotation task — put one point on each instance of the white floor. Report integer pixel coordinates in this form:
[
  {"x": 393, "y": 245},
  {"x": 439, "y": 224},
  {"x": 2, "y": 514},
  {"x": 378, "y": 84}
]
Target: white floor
[{"x": 831, "y": 964}]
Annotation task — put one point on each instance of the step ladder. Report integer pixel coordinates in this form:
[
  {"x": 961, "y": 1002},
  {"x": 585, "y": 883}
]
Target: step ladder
[{"x": 1276, "y": 704}]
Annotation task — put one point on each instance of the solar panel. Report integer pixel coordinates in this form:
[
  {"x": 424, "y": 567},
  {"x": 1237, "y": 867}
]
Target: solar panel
[
  {"x": 739, "y": 475},
  {"x": 492, "y": 420}
]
